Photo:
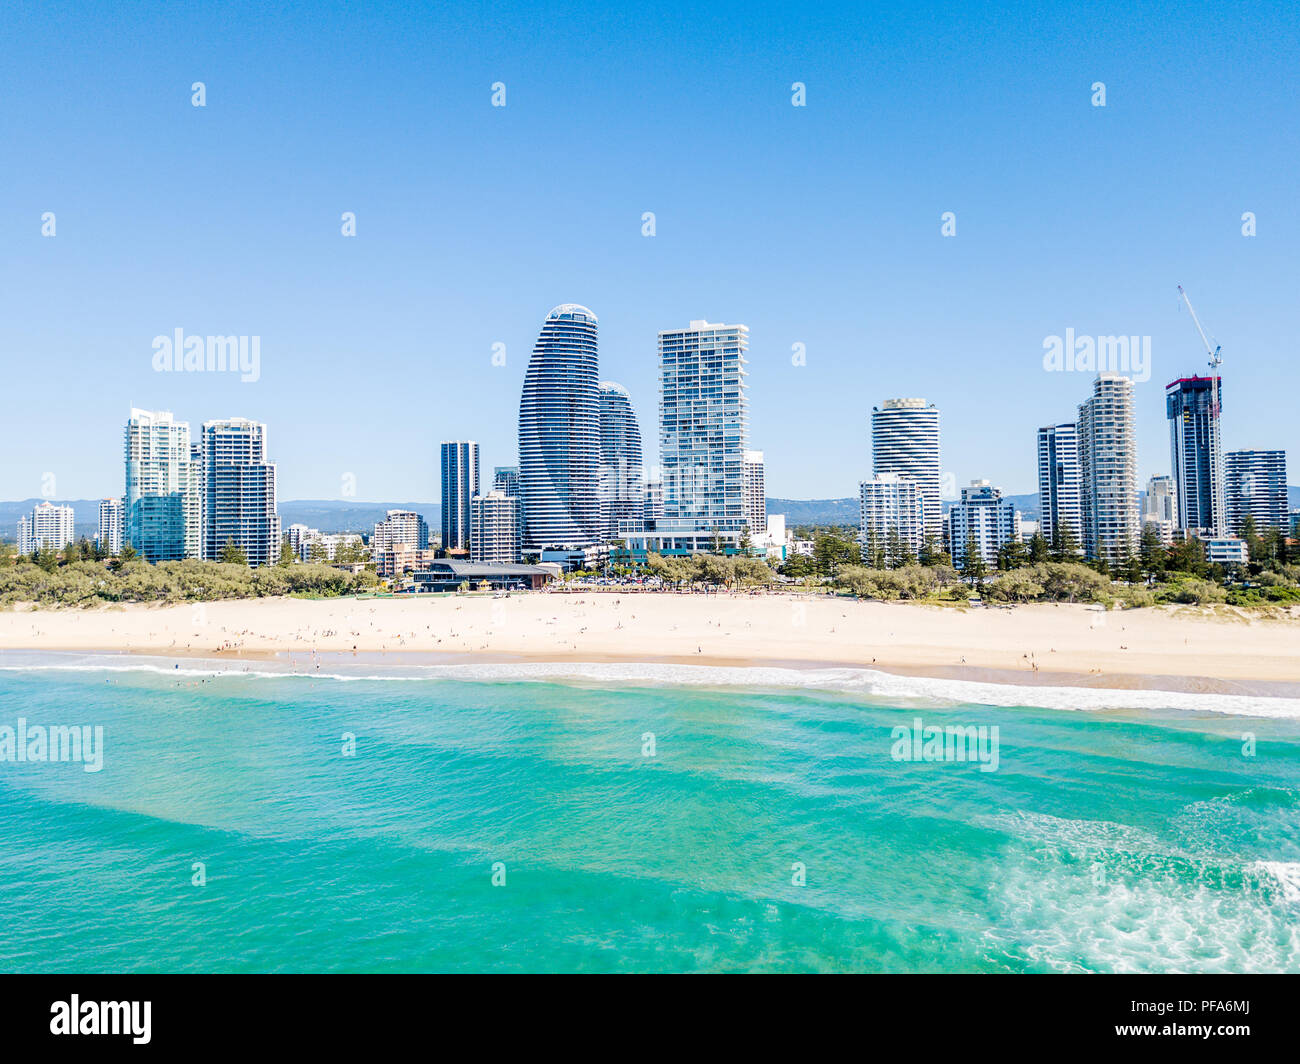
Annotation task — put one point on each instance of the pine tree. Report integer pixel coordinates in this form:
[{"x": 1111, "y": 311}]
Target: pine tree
[
  {"x": 232, "y": 554},
  {"x": 897, "y": 553},
  {"x": 1065, "y": 547},
  {"x": 1151, "y": 551},
  {"x": 1039, "y": 551},
  {"x": 973, "y": 566}
]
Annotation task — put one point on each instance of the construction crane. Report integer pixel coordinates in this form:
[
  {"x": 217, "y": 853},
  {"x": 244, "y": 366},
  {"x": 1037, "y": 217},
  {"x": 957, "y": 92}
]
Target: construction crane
[
  {"x": 1216, "y": 359},
  {"x": 1216, "y": 457}
]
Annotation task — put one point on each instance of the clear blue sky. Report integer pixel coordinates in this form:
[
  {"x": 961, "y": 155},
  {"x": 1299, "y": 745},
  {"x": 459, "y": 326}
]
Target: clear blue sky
[{"x": 818, "y": 225}]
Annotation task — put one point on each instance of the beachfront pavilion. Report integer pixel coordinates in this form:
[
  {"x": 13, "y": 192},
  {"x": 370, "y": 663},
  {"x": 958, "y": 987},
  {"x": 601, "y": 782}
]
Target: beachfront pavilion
[{"x": 449, "y": 574}]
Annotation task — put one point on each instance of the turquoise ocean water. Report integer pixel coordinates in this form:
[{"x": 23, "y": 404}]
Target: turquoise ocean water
[{"x": 1133, "y": 837}]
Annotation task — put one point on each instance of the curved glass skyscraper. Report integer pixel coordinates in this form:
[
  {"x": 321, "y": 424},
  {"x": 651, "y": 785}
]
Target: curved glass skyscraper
[
  {"x": 622, "y": 493},
  {"x": 559, "y": 434}
]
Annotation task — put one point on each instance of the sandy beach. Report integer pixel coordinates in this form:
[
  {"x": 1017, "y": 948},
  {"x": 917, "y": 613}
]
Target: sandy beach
[{"x": 1071, "y": 645}]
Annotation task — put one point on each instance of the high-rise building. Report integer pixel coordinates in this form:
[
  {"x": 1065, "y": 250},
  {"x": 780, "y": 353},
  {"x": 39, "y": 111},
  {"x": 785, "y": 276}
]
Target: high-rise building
[
  {"x": 163, "y": 501},
  {"x": 1193, "y": 406},
  {"x": 890, "y": 504},
  {"x": 622, "y": 491},
  {"x": 47, "y": 526},
  {"x": 239, "y": 496},
  {"x": 559, "y": 434},
  {"x": 1160, "y": 503},
  {"x": 111, "y": 525},
  {"x": 1159, "y": 508},
  {"x": 400, "y": 528},
  {"x": 494, "y": 528},
  {"x": 1108, "y": 490},
  {"x": 983, "y": 521},
  {"x": 755, "y": 492},
  {"x": 505, "y": 479},
  {"x": 703, "y": 426},
  {"x": 1058, "y": 482},
  {"x": 459, "y": 486},
  {"x": 654, "y": 500},
  {"x": 1256, "y": 487},
  {"x": 905, "y": 440}
]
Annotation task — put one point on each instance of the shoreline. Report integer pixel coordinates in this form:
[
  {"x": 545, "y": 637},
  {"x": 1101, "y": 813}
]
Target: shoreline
[
  {"x": 300, "y": 664},
  {"x": 1062, "y": 645}
]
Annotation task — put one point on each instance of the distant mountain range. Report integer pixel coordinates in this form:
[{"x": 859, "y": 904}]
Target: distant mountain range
[
  {"x": 845, "y": 511},
  {"x": 347, "y": 515}
]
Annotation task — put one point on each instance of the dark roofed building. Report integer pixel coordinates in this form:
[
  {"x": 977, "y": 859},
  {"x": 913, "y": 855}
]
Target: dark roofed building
[{"x": 448, "y": 574}]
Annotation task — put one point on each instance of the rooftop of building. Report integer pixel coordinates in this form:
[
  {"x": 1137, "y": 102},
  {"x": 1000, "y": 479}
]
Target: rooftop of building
[
  {"x": 459, "y": 567},
  {"x": 570, "y": 310}
]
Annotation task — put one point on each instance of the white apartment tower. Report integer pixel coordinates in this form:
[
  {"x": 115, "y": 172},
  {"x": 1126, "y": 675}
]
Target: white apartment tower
[
  {"x": 703, "y": 426},
  {"x": 1108, "y": 470},
  {"x": 654, "y": 500},
  {"x": 755, "y": 492},
  {"x": 400, "y": 528},
  {"x": 1256, "y": 488},
  {"x": 1160, "y": 503},
  {"x": 109, "y": 536},
  {"x": 47, "y": 526},
  {"x": 1058, "y": 481},
  {"x": 890, "y": 503},
  {"x": 1160, "y": 507},
  {"x": 162, "y": 504},
  {"x": 239, "y": 499},
  {"x": 494, "y": 528},
  {"x": 982, "y": 522},
  {"x": 905, "y": 440}
]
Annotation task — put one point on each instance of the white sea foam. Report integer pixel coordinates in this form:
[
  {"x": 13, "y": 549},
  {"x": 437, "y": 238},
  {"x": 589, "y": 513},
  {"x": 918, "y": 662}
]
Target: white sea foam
[
  {"x": 1077, "y": 896},
  {"x": 1286, "y": 874},
  {"x": 867, "y": 683}
]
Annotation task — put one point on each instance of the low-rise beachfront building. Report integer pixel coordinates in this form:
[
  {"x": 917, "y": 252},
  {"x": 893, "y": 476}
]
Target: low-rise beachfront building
[
  {"x": 1166, "y": 530},
  {"x": 452, "y": 574},
  {"x": 297, "y": 535},
  {"x": 312, "y": 545},
  {"x": 573, "y": 559},
  {"x": 674, "y": 539},
  {"x": 326, "y": 545},
  {"x": 47, "y": 526},
  {"x": 771, "y": 544},
  {"x": 399, "y": 559},
  {"x": 1227, "y": 551}
]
